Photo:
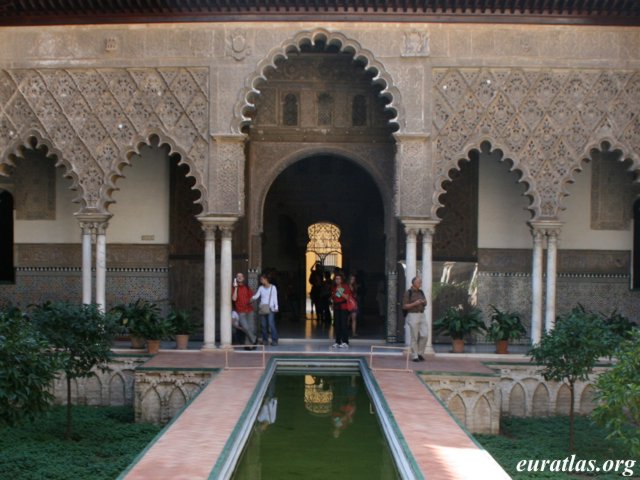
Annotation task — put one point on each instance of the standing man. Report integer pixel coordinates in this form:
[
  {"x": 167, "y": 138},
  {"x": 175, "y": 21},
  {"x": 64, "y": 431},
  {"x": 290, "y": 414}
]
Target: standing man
[
  {"x": 241, "y": 295},
  {"x": 414, "y": 303}
]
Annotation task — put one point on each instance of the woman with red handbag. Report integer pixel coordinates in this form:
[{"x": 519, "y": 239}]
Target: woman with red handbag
[{"x": 339, "y": 296}]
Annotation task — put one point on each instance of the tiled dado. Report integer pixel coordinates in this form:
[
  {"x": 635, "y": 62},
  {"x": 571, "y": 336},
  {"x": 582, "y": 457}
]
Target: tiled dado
[
  {"x": 65, "y": 255},
  {"x": 518, "y": 260}
]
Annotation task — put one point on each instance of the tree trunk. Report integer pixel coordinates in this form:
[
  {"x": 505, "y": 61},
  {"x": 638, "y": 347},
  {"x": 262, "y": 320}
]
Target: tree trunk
[
  {"x": 572, "y": 393},
  {"x": 67, "y": 433}
]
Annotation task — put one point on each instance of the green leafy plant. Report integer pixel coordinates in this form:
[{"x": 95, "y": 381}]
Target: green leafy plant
[
  {"x": 26, "y": 369},
  {"x": 460, "y": 321},
  {"x": 181, "y": 322},
  {"x": 505, "y": 326},
  {"x": 135, "y": 317},
  {"x": 81, "y": 337},
  {"x": 570, "y": 351},
  {"x": 618, "y": 393},
  {"x": 620, "y": 326}
]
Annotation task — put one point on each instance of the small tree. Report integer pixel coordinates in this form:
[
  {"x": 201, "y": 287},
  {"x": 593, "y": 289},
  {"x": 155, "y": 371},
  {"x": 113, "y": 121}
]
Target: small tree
[
  {"x": 618, "y": 392},
  {"x": 81, "y": 335},
  {"x": 26, "y": 369},
  {"x": 570, "y": 351}
]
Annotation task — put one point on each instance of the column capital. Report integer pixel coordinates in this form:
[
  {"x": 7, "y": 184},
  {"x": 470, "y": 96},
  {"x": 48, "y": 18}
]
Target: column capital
[
  {"x": 224, "y": 223},
  {"x": 91, "y": 222},
  {"x": 419, "y": 225},
  {"x": 552, "y": 227}
]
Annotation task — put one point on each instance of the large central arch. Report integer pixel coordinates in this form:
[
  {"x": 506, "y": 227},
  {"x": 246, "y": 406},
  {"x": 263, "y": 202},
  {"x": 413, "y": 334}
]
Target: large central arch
[{"x": 333, "y": 189}]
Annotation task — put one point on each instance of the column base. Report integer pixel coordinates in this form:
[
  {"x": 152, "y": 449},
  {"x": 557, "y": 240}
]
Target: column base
[{"x": 209, "y": 347}]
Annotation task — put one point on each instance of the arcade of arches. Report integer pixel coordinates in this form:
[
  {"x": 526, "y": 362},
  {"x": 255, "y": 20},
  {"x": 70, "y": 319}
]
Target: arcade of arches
[{"x": 156, "y": 172}]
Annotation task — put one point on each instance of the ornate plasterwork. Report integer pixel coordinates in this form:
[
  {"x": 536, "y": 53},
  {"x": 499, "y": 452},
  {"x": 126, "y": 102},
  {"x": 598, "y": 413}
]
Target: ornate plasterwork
[
  {"x": 94, "y": 118},
  {"x": 545, "y": 121},
  {"x": 411, "y": 182},
  {"x": 252, "y": 85},
  {"x": 227, "y": 175}
]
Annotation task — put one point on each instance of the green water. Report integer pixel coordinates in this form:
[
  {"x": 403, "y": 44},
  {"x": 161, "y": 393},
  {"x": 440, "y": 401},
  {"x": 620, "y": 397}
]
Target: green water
[{"x": 316, "y": 427}]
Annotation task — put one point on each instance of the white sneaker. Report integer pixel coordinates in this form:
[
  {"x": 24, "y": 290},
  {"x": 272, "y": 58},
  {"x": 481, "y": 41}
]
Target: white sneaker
[
  {"x": 335, "y": 345},
  {"x": 344, "y": 345}
]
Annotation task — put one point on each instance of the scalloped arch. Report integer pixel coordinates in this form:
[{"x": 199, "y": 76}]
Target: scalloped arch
[
  {"x": 147, "y": 140},
  {"x": 23, "y": 141},
  {"x": 585, "y": 156},
  {"x": 381, "y": 77},
  {"x": 516, "y": 165}
]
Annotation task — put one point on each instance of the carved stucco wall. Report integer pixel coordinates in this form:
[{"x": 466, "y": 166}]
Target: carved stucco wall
[
  {"x": 93, "y": 118},
  {"x": 545, "y": 121},
  {"x": 554, "y": 93}
]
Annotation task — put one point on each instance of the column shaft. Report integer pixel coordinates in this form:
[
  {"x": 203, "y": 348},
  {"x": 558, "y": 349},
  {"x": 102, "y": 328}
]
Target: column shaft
[
  {"x": 427, "y": 282},
  {"x": 101, "y": 267},
  {"x": 536, "y": 286},
  {"x": 225, "y": 287},
  {"x": 411, "y": 262},
  {"x": 86, "y": 263},
  {"x": 209, "y": 287},
  {"x": 552, "y": 256}
]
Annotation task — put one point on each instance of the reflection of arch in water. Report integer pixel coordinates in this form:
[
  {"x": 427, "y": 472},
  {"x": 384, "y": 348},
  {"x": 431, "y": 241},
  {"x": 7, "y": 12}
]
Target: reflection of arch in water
[{"x": 318, "y": 396}]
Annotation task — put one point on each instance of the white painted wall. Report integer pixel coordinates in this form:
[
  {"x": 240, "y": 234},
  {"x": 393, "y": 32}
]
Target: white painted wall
[
  {"x": 576, "y": 231},
  {"x": 64, "y": 229},
  {"x": 502, "y": 209},
  {"x": 141, "y": 208},
  {"x": 142, "y": 203}
]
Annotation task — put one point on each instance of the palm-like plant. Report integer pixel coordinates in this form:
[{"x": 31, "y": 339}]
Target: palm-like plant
[
  {"x": 460, "y": 321},
  {"x": 505, "y": 326}
]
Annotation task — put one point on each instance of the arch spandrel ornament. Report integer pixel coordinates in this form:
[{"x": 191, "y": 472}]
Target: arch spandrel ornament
[
  {"x": 246, "y": 102},
  {"x": 33, "y": 139},
  {"x": 95, "y": 116},
  {"x": 543, "y": 119}
]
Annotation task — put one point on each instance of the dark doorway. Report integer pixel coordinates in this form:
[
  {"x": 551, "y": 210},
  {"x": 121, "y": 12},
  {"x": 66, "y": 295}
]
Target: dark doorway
[
  {"x": 636, "y": 246},
  {"x": 7, "y": 272},
  {"x": 329, "y": 189}
]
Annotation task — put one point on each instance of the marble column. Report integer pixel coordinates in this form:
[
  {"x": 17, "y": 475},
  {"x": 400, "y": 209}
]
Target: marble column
[
  {"x": 209, "y": 286},
  {"x": 411, "y": 260},
  {"x": 552, "y": 260},
  {"x": 87, "y": 248},
  {"x": 226, "y": 276},
  {"x": 427, "y": 279},
  {"x": 101, "y": 265},
  {"x": 536, "y": 285}
]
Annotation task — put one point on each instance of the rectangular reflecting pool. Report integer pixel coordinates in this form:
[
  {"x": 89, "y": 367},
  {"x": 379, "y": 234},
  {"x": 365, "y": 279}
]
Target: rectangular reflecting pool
[{"x": 316, "y": 419}]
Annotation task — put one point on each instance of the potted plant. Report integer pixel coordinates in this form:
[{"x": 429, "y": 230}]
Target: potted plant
[
  {"x": 504, "y": 326},
  {"x": 154, "y": 329},
  {"x": 132, "y": 316},
  {"x": 458, "y": 322},
  {"x": 182, "y": 327}
]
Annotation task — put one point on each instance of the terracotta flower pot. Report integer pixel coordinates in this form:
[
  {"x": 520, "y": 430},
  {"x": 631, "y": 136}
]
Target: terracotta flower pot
[
  {"x": 458, "y": 346},
  {"x": 153, "y": 346},
  {"x": 137, "y": 342},
  {"x": 182, "y": 342},
  {"x": 502, "y": 346}
]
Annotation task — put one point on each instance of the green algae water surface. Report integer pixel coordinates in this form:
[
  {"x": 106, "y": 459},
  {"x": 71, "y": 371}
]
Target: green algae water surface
[{"x": 316, "y": 426}]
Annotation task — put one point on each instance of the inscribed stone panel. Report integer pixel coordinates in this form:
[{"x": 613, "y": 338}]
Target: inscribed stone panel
[
  {"x": 35, "y": 189},
  {"x": 611, "y": 201}
]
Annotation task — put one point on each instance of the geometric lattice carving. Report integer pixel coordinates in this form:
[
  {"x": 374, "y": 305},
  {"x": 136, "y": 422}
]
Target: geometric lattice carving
[
  {"x": 94, "y": 117},
  {"x": 544, "y": 120}
]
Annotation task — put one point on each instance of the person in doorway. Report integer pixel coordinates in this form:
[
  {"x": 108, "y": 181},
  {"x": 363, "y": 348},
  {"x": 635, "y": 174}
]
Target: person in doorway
[
  {"x": 414, "y": 302},
  {"x": 353, "y": 311},
  {"x": 267, "y": 309},
  {"x": 339, "y": 295},
  {"x": 241, "y": 295}
]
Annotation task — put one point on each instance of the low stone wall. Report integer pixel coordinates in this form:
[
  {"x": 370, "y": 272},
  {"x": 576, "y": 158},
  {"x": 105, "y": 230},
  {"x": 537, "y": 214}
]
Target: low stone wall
[
  {"x": 157, "y": 395},
  {"x": 516, "y": 389},
  {"x": 473, "y": 399},
  {"x": 160, "y": 393},
  {"x": 115, "y": 387}
]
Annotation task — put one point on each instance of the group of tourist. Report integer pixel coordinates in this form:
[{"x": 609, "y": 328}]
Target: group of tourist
[{"x": 343, "y": 295}]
